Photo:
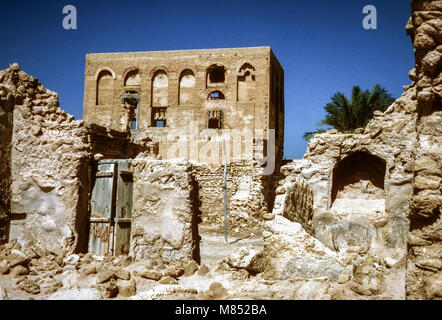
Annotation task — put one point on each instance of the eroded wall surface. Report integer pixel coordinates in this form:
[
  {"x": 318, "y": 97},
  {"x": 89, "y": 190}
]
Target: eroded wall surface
[
  {"x": 377, "y": 192},
  {"x": 49, "y": 165},
  {"x": 49, "y": 155},
  {"x": 424, "y": 275},
  {"x": 353, "y": 211},
  {"x": 165, "y": 212},
  {"x": 250, "y": 195}
]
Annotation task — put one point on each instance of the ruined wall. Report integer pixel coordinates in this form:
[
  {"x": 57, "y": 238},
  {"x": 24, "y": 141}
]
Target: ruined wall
[
  {"x": 424, "y": 275},
  {"x": 290, "y": 252},
  {"x": 377, "y": 192},
  {"x": 357, "y": 214},
  {"x": 50, "y": 156},
  {"x": 165, "y": 212},
  {"x": 361, "y": 186},
  {"x": 294, "y": 201},
  {"x": 6, "y": 107},
  {"x": 249, "y": 195}
]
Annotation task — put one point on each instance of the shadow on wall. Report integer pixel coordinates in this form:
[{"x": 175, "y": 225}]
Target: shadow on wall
[
  {"x": 196, "y": 219},
  {"x": 359, "y": 175}
]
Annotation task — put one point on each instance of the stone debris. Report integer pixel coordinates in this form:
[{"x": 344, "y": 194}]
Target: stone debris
[
  {"x": 168, "y": 280},
  {"x": 29, "y": 286},
  {"x": 50, "y": 286},
  {"x": 203, "y": 270},
  {"x": 292, "y": 253},
  {"x": 105, "y": 275},
  {"x": 111, "y": 289},
  {"x": 72, "y": 259},
  {"x": 246, "y": 258},
  {"x": 190, "y": 268},
  {"x": 149, "y": 274},
  {"x": 174, "y": 271},
  {"x": 216, "y": 291},
  {"x": 122, "y": 274},
  {"x": 19, "y": 271},
  {"x": 127, "y": 288}
]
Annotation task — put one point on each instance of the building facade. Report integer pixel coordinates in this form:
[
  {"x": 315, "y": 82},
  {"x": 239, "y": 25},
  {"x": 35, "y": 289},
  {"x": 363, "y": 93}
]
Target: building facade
[{"x": 183, "y": 99}]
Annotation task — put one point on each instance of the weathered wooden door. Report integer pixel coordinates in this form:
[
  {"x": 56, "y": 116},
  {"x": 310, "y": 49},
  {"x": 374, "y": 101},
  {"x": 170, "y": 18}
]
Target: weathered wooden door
[
  {"x": 110, "y": 208},
  {"x": 123, "y": 208}
]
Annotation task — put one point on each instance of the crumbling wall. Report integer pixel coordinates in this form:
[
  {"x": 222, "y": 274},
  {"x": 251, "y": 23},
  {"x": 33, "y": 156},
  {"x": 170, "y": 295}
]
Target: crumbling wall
[
  {"x": 358, "y": 212},
  {"x": 6, "y": 107},
  {"x": 49, "y": 154},
  {"x": 248, "y": 203},
  {"x": 366, "y": 220},
  {"x": 294, "y": 201},
  {"x": 424, "y": 269},
  {"x": 165, "y": 212},
  {"x": 290, "y": 252},
  {"x": 49, "y": 172}
]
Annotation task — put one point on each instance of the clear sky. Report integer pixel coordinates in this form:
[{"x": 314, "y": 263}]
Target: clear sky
[{"x": 321, "y": 44}]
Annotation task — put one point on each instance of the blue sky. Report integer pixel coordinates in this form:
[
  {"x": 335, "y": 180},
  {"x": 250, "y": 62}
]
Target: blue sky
[{"x": 321, "y": 44}]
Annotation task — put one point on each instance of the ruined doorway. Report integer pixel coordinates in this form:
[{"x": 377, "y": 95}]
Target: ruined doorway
[{"x": 110, "y": 207}]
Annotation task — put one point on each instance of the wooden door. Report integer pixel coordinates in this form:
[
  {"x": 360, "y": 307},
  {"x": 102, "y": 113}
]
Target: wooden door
[
  {"x": 123, "y": 207},
  {"x": 111, "y": 208},
  {"x": 102, "y": 209}
]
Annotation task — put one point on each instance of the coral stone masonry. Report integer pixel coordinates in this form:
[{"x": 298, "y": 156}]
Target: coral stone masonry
[{"x": 131, "y": 202}]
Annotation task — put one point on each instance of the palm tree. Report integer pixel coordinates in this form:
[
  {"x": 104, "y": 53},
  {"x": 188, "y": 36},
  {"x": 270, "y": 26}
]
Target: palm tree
[{"x": 347, "y": 115}]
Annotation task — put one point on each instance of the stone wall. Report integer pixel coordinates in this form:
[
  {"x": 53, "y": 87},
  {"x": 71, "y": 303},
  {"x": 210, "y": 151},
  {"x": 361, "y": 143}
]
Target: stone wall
[
  {"x": 165, "y": 212},
  {"x": 357, "y": 211},
  {"x": 50, "y": 156},
  {"x": 294, "y": 201},
  {"x": 424, "y": 272},
  {"x": 249, "y": 195},
  {"x": 377, "y": 192}
]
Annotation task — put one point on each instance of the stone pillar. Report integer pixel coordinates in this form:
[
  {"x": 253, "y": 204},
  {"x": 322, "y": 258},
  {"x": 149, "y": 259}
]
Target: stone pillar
[{"x": 424, "y": 265}]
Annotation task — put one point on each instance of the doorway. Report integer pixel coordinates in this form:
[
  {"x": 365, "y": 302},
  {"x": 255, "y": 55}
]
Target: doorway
[{"x": 110, "y": 207}]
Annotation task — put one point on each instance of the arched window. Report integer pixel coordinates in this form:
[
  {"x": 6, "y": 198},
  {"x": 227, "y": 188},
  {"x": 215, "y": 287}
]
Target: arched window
[
  {"x": 216, "y": 95},
  {"x": 187, "y": 86},
  {"x": 132, "y": 78},
  {"x": 160, "y": 86},
  {"x": 246, "y": 83},
  {"x": 216, "y": 75},
  {"x": 104, "y": 88}
]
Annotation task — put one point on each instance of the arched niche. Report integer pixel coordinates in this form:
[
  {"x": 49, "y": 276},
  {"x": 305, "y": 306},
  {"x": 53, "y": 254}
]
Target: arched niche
[
  {"x": 186, "y": 86},
  {"x": 160, "y": 89},
  {"x": 104, "y": 94},
  {"x": 132, "y": 78},
  {"x": 358, "y": 183},
  {"x": 246, "y": 84}
]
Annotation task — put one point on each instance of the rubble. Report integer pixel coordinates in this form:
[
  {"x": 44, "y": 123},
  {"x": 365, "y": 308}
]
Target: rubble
[{"x": 290, "y": 252}]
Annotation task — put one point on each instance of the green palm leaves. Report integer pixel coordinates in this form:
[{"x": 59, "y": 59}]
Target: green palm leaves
[{"x": 347, "y": 115}]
